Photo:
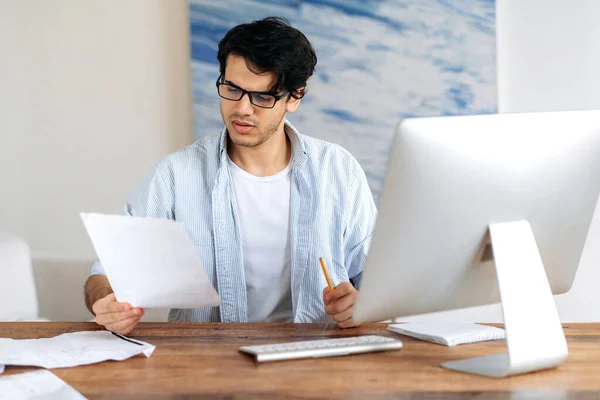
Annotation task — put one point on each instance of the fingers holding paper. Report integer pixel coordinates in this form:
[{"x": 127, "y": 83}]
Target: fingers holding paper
[
  {"x": 115, "y": 316},
  {"x": 339, "y": 303}
]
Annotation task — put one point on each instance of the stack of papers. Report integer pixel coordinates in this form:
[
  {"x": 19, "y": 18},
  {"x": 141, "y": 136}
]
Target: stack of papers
[
  {"x": 36, "y": 385},
  {"x": 71, "y": 349},
  {"x": 448, "y": 333}
]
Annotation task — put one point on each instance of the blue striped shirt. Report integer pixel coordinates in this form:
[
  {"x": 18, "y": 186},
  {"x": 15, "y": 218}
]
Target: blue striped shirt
[{"x": 332, "y": 215}]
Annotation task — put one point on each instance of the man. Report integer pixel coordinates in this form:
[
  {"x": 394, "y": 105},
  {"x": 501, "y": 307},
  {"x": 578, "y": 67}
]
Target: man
[{"x": 260, "y": 201}]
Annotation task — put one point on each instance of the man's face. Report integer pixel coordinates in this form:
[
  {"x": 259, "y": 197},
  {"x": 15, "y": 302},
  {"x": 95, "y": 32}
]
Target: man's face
[{"x": 247, "y": 124}]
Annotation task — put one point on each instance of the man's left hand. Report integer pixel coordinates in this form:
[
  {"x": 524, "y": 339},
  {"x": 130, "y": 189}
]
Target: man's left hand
[{"x": 339, "y": 303}]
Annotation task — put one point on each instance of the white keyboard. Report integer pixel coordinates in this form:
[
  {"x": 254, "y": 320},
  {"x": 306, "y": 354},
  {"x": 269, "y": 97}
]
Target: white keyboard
[{"x": 322, "y": 348}]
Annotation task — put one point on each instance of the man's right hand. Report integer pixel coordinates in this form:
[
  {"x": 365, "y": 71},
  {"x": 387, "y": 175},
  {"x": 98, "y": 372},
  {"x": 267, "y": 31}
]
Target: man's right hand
[{"x": 117, "y": 317}]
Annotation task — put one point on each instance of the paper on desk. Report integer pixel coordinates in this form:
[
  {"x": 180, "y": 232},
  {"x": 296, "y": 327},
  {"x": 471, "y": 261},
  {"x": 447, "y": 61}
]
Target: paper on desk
[
  {"x": 38, "y": 385},
  {"x": 70, "y": 350},
  {"x": 1, "y": 368},
  {"x": 150, "y": 263}
]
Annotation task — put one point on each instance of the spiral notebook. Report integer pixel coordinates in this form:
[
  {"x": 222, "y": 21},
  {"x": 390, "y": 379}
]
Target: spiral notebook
[{"x": 448, "y": 333}]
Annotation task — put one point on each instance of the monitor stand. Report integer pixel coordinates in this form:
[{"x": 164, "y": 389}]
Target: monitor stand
[{"x": 534, "y": 336}]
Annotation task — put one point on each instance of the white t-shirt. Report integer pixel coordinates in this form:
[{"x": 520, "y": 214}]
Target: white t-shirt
[{"x": 263, "y": 205}]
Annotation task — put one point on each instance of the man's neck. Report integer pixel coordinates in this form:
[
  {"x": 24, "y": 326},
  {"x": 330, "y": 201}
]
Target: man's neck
[{"x": 266, "y": 159}]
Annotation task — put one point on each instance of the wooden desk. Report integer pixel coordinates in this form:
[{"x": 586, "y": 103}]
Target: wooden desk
[{"x": 201, "y": 360}]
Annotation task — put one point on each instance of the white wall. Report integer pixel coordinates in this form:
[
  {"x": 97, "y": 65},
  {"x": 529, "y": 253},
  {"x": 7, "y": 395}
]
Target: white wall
[
  {"x": 549, "y": 60},
  {"x": 92, "y": 94},
  {"x": 548, "y": 55}
]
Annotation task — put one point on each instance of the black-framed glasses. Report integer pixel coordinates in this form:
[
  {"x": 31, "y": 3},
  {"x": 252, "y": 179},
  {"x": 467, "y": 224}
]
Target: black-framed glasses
[{"x": 229, "y": 91}]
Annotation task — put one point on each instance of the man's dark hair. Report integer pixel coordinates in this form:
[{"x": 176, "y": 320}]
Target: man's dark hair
[{"x": 272, "y": 45}]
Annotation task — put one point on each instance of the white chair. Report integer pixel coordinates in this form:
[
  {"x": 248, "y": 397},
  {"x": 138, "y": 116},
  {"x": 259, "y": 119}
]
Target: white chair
[{"x": 18, "y": 296}]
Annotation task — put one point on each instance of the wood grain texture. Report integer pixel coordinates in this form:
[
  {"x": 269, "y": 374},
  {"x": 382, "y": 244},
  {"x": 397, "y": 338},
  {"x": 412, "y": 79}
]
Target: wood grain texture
[{"x": 194, "y": 360}]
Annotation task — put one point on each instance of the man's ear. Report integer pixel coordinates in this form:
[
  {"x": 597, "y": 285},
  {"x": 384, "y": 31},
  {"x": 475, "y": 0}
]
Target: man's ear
[{"x": 292, "y": 102}]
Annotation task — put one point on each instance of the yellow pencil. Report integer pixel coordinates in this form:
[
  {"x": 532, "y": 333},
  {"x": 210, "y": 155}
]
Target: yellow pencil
[{"x": 326, "y": 274}]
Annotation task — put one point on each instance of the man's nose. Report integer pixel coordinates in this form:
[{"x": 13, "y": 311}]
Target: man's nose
[{"x": 244, "y": 105}]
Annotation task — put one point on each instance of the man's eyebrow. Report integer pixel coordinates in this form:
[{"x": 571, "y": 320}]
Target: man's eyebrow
[
  {"x": 231, "y": 83},
  {"x": 238, "y": 87}
]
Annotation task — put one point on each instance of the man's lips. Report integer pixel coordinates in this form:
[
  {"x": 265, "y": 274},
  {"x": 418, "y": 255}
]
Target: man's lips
[
  {"x": 237, "y": 121},
  {"x": 243, "y": 127}
]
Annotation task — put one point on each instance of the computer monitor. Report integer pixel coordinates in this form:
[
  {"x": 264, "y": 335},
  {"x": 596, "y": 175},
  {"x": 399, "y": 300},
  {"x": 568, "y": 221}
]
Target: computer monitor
[{"x": 484, "y": 209}]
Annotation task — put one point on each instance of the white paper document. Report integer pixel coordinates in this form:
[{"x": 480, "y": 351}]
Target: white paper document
[
  {"x": 71, "y": 349},
  {"x": 38, "y": 385},
  {"x": 150, "y": 263},
  {"x": 448, "y": 333},
  {"x": 1, "y": 368}
]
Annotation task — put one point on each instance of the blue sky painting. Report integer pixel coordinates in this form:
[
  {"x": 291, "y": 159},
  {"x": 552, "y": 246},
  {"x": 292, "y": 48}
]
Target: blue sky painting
[{"x": 378, "y": 61}]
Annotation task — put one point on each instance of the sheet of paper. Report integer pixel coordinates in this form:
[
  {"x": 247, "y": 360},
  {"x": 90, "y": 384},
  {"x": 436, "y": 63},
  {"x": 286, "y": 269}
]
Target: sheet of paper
[
  {"x": 150, "y": 263},
  {"x": 71, "y": 349},
  {"x": 1, "y": 368},
  {"x": 38, "y": 385}
]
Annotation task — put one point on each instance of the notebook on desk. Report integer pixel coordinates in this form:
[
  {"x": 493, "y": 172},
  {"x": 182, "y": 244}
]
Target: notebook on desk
[{"x": 448, "y": 333}]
